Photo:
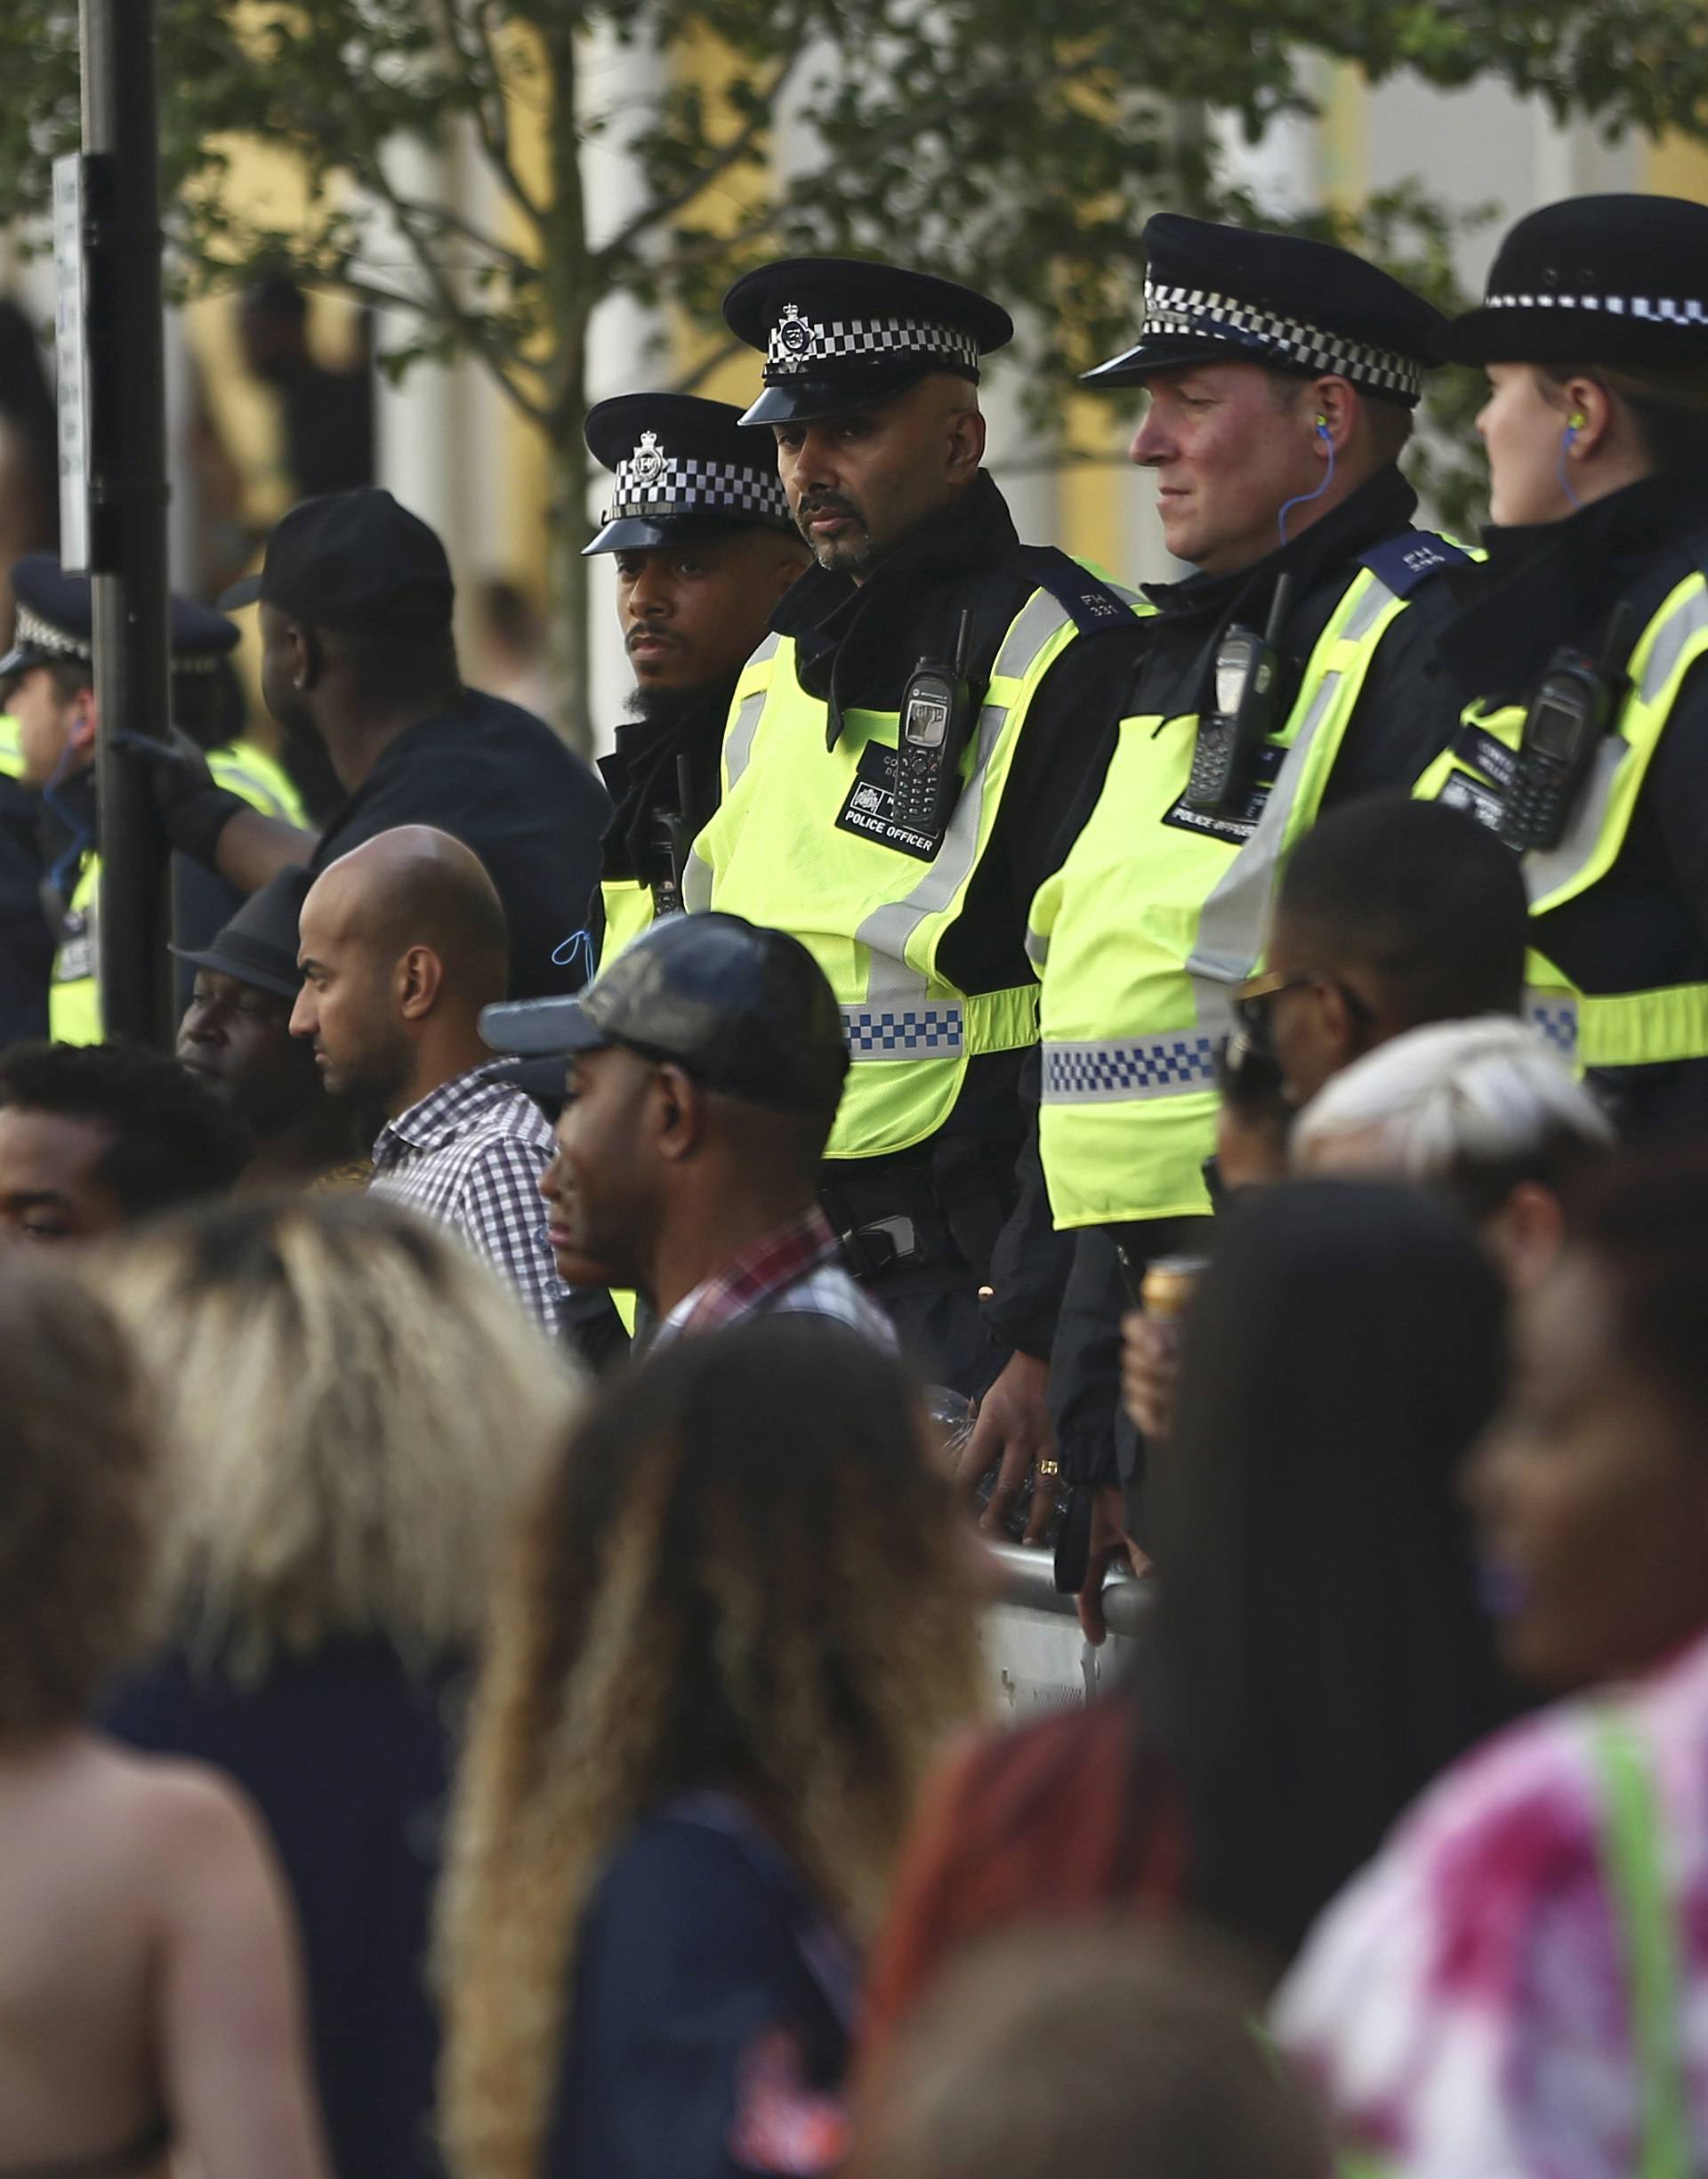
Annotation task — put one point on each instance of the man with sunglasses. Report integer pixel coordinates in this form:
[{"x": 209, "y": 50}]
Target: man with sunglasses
[
  {"x": 701, "y": 1072},
  {"x": 1291, "y": 669}
]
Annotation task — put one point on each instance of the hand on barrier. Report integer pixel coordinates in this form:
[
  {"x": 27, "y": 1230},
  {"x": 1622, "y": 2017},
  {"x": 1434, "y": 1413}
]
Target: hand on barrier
[
  {"x": 1012, "y": 1435},
  {"x": 1151, "y": 1369},
  {"x": 1110, "y": 1543}
]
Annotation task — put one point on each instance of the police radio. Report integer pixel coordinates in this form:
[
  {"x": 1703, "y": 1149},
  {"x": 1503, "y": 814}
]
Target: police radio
[
  {"x": 935, "y": 722},
  {"x": 1247, "y": 686},
  {"x": 1567, "y": 719},
  {"x": 670, "y": 838}
]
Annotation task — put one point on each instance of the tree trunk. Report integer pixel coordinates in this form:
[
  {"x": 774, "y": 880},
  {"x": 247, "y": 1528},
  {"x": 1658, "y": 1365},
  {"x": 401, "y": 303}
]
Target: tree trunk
[
  {"x": 568, "y": 661},
  {"x": 568, "y": 275}
]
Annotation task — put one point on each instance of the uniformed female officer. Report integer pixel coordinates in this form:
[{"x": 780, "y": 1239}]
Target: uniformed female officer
[{"x": 1584, "y": 736}]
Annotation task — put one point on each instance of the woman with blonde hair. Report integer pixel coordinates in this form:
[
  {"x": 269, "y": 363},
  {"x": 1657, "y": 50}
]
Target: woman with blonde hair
[
  {"x": 150, "y": 1999},
  {"x": 739, "y": 1628},
  {"x": 352, "y": 1403}
]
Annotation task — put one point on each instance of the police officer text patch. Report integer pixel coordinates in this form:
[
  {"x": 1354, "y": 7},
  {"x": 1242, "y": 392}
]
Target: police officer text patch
[
  {"x": 1234, "y": 827},
  {"x": 871, "y": 801}
]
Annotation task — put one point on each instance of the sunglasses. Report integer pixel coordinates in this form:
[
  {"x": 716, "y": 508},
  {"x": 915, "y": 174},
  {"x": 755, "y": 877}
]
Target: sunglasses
[{"x": 1253, "y": 1001}]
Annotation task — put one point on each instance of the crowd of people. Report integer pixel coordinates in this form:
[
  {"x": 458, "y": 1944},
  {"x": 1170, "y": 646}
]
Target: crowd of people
[{"x": 500, "y": 1463}]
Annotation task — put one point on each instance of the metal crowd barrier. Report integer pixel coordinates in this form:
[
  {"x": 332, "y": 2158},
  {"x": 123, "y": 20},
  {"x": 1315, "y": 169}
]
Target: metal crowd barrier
[{"x": 1037, "y": 1656}]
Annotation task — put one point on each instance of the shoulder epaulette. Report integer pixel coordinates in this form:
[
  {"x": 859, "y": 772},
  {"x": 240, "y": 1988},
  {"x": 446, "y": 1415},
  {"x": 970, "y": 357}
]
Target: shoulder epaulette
[
  {"x": 1089, "y": 601},
  {"x": 1409, "y": 560}
]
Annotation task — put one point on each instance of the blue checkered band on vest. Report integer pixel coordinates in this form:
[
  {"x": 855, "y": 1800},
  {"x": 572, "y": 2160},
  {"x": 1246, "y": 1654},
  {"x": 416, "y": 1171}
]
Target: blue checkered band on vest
[
  {"x": 1659, "y": 309},
  {"x": 1208, "y": 316},
  {"x": 801, "y": 345},
  {"x": 872, "y": 1034},
  {"x": 1554, "y": 1020},
  {"x": 652, "y": 482},
  {"x": 1143, "y": 1067}
]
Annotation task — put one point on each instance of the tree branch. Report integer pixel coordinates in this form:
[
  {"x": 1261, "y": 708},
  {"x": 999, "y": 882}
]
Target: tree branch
[
  {"x": 491, "y": 122},
  {"x": 453, "y": 223},
  {"x": 731, "y": 155},
  {"x": 396, "y": 299},
  {"x": 697, "y": 374}
]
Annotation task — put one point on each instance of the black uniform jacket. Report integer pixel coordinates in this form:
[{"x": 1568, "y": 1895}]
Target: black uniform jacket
[
  {"x": 857, "y": 646},
  {"x": 1645, "y": 925},
  {"x": 651, "y": 763}
]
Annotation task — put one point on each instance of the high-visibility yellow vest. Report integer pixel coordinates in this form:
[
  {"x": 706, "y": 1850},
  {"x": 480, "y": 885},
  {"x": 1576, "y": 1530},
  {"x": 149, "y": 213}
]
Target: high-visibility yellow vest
[
  {"x": 798, "y": 842},
  {"x": 630, "y": 909},
  {"x": 1155, "y": 916},
  {"x": 1635, "y": 1028},
  {"x": 73, "y": 999}
]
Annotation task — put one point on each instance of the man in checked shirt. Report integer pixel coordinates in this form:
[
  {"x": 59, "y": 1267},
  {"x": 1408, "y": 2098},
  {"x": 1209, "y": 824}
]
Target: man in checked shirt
[{"x": 402, "y": 942}]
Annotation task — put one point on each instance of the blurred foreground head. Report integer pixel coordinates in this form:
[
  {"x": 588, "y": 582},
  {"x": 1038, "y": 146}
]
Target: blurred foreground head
[
  {"x": 1593, "y": 1493},
  {"x": 76, "y": 1498},
  {"x": 350, "y": 1401},
  {"x": 1483, "y": 1111},
  {"x": 745, "y": 1571},
  {"x": 1109, "y": 2053},
  {"x": 1321, "y": 1646}
]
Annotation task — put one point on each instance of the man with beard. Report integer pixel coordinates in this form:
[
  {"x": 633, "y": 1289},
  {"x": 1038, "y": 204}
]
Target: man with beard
[
  {"x": 402, "y": 943},
  {"x": 705, "y": 547},
  {"x": 895, "y": 774},
  {"x": 357, "y": 654}
]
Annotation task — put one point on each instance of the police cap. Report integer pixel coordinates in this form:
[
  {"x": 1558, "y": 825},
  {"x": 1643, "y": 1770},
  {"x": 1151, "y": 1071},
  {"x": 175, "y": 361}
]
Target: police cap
[
  {"x": 839, "y": 334},
  {"x": 56, "y": 622},
  {"x": 685, "y": 470},
  {"x": 1594, "y": 279},
  {"x": 745, "y": 1010},
  {"x": 1236, "y": 294},
  {"x": 259, "y": 944},
  {"x": 354, "y": 561}
]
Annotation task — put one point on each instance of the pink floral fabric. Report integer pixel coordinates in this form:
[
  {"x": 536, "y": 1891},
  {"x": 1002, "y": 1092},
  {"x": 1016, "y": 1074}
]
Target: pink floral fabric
[{"x": 1466, "y": 2005}]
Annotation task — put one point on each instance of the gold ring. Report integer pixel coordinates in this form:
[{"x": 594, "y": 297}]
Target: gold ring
[{"x": 1049, "y": 1467}]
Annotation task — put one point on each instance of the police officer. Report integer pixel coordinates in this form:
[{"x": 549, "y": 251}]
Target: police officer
[
  {"x": 705, "y": 547},
  {"x": 1584, "y": 739},
  {"x": 902, "y": 748},
  {"x": 48, "y": 681},
  {"x": 1291, "y": 670}
]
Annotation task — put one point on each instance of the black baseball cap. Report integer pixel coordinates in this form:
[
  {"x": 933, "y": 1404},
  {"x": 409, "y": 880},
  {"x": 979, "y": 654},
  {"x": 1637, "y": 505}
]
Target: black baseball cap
[
  {"x": 354, "y": 561},
  {"x": 746, "y": 1010},
  {"x": 259, "y": 944}
]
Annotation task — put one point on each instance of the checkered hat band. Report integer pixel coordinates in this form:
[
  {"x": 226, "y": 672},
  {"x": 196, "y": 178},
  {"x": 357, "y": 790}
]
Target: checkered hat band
[
  {"x": 43, "y": 635},
  {"x": 1654, "y": 310},
  {"x": 1200, "y": 311},
  {"x": 684, "y": 484},
  {"x": 800, "y": 346}
]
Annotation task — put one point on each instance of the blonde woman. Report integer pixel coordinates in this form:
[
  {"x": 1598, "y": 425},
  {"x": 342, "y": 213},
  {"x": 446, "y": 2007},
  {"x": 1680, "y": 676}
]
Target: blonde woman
[
  {"x": 150, "y": 1999},
  {"x": 352, "y": 1402},
  {"x": 738, "y": 1630}
]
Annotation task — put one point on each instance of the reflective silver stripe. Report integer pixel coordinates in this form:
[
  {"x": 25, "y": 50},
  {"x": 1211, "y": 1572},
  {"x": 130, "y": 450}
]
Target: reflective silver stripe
[
  {"x": 1139, "y": 1067},
  {"x": 1231, "y": 926},
  {"x": 738, "y": 736},
  {"x": 886, "y": 932},
  {"x": 1037, "y": 950},
  {"x": 1548, "y": 872},
  {"x": 873, "y": 1033},
  {"x": 1553, "y": 1015},
  {"x": 697, "y": 884}
]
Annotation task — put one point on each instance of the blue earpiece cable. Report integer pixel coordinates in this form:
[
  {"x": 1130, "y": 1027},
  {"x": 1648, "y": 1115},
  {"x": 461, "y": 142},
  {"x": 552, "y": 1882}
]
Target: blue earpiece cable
[{"x": 1303, "y": 499}]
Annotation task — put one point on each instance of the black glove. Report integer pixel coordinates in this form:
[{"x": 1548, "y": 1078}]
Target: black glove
[{"x": 192, "y": 809}]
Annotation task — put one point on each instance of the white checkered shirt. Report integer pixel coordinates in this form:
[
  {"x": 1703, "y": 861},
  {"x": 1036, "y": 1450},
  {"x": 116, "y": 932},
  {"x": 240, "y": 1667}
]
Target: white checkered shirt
[{"x": 470, "y": 1154}]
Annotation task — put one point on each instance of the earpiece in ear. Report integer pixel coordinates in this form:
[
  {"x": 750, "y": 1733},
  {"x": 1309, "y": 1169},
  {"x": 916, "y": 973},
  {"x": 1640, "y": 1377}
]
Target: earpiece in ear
[
  {"x": 1577, "y": 420},
  {"x": 1322, "y": 428}
]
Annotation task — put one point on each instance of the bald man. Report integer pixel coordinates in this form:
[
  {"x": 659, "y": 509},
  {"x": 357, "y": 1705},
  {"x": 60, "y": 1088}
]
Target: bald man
[{"x": 402, "y": 942}]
